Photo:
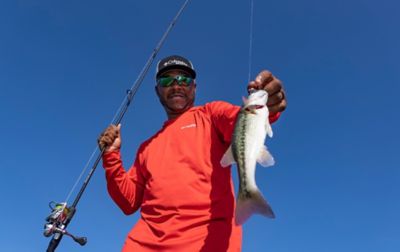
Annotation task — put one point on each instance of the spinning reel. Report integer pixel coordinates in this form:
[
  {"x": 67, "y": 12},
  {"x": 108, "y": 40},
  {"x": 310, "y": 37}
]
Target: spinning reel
[{"x": 56, "y": 222}]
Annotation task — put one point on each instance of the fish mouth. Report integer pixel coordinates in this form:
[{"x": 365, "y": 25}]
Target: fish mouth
[
  {"x": 259, "y": 93},
  {"x": 252, "y": 108},
  {"x": 260, "y": 97}
]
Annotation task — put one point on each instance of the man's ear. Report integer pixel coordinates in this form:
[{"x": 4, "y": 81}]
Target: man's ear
[
  {"x": 195, "y": 86},
  {"x": 156, "y": 89}
]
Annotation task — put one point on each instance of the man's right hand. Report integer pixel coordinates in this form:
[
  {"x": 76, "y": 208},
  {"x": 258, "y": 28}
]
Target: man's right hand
[{"x": 110, "y": 139}]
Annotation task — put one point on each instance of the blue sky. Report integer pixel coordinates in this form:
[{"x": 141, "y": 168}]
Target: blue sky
[{"x": 65, "y": 66}]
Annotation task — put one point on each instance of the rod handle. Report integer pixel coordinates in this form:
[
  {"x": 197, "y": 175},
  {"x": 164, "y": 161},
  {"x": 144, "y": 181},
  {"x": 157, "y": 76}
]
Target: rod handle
[{"x": 54, "y": 243}]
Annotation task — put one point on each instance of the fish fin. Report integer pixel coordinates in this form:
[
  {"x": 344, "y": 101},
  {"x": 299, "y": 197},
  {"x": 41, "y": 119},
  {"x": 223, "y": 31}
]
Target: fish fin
[
  {"x": 268, "y": 129},
  {"x": 265, "y": 158},
  {"x": 227, "y": 158},
  {"x": 255, "y": 204},
  {"x": 245, "y": 100}
]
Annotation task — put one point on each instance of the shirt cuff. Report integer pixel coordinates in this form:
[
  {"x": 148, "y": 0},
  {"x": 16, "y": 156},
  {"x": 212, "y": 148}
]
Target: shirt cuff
[
  {"x": 111, "y": 158},
  {"x": 273, "y": 117}
]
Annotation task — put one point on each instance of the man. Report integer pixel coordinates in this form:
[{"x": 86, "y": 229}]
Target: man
[{"x": 186, "y": 198}]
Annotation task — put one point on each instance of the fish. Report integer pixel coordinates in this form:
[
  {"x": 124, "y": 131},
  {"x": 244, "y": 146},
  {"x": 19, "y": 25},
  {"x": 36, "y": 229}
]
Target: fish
[{"x": 246, "y": 150}]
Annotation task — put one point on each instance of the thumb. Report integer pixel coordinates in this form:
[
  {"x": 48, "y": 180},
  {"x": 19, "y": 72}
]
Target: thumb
[
  {"x": 119, "y": 130},
  {"x": 252, "y": 86}
]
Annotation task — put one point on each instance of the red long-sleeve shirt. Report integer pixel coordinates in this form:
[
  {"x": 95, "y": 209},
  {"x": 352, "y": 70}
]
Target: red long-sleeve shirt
[{"x": 186, "y": 197}]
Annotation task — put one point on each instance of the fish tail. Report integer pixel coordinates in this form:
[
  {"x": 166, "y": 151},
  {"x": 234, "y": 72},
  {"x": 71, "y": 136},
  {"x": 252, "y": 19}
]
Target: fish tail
[{"x": 254, "y": 203}]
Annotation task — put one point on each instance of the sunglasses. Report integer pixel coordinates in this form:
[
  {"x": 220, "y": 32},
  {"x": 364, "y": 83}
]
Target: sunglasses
[{"x": 169, "y": 80}]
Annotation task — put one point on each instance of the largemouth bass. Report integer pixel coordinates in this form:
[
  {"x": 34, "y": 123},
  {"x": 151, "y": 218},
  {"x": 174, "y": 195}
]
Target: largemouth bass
[{"x": 247, "y": 148}]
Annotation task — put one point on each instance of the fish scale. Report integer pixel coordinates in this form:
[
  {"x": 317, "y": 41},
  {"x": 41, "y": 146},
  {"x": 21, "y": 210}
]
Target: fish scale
[
  {"x": 239, "y": 150},
  {"x": 247, "y": 148}
]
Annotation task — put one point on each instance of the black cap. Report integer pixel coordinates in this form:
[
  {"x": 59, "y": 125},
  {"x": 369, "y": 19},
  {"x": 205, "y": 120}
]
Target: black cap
[{"x": 175, "y": 62}]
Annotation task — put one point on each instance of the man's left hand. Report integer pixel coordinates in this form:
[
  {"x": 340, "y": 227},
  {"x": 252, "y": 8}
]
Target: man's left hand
[{"x": 276, "y": 94}]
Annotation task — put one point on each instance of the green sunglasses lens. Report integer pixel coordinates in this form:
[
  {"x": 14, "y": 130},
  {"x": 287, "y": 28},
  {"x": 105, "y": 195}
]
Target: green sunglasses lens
[
  {"x": 166, "y": 81},
  {"x": 181, "y": 80}
]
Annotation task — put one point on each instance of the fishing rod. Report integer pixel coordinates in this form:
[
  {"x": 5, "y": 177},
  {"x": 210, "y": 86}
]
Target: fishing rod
[{"x": 62, "y": 214}]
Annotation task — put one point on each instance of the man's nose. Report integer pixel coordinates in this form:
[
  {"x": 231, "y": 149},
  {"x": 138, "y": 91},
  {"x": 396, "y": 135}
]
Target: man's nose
[{"x": 176, "y": 85}]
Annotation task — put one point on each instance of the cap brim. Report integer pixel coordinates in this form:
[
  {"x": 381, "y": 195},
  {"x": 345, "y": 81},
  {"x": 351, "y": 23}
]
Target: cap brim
[{"x": 168, "y": 68}]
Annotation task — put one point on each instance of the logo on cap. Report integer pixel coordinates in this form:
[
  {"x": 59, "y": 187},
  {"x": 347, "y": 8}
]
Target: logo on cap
[{"x": 174, "y": 62}]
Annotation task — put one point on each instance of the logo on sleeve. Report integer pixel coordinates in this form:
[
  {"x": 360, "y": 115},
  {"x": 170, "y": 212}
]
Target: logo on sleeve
[{"x": 193, "y": 125}]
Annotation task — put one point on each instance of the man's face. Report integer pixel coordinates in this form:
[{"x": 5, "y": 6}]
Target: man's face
[{"x": 175, "y": 98}]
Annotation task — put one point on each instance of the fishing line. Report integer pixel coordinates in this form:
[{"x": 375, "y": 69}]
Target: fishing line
[
  {"x": 62, "y": 214},
  {"x": 96, "y": 148},
  {"x": 251, "y": 38},
  {"x": 130, "y": 93},
  {"x": 81, "y": 175}
]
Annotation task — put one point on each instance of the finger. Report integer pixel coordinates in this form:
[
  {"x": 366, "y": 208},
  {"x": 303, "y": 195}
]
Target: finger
[
  {"x": 252, "y": 85},
  {"x": 109, "y": 136},
  {"x": 264, "y": 77},
  {"x": 275, "y": 98},
  {"x": 112, "y": 130},
  {"x": 100, "y": 143},
  {"x": 273, "y": 87},
  {"x": 278, "y": 107},
  {"x": 107, "y": 140}
]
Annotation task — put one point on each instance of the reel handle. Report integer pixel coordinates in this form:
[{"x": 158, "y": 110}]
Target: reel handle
[{"x": 81, "y": 240}]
